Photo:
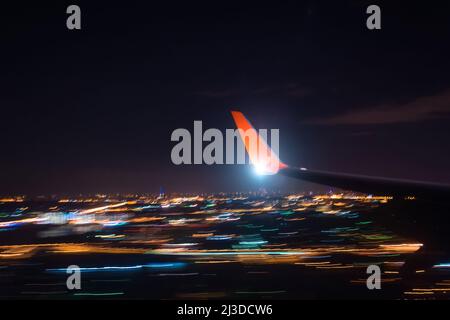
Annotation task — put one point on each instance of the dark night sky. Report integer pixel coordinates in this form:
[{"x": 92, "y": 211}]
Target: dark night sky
[{"x": 93, "y": 110}]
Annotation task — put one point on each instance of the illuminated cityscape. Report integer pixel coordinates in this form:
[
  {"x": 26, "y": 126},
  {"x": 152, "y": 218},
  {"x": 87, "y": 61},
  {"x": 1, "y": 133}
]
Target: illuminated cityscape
[{"x": 240, "y": 246}]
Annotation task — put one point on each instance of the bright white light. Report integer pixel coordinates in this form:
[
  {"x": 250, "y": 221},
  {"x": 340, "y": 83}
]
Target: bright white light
[
  {"x": 264, "y": 168},
  {"x": 260, "y": 169}
]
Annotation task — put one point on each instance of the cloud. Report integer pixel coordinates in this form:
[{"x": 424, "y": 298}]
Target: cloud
[{"x": 420, "y": 109}]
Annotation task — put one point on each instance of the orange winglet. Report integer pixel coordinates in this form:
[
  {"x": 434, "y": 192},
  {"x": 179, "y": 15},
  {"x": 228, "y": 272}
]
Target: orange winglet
[{"x": 262, "y": 157}]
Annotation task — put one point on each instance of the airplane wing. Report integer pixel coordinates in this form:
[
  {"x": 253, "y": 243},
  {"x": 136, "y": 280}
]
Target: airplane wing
[
  {"x": 359, "y": 183},
  {"x": 370, "y": 184}
]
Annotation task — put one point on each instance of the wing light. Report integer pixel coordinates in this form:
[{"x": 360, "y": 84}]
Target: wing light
[{"x": 263, "y": 158}]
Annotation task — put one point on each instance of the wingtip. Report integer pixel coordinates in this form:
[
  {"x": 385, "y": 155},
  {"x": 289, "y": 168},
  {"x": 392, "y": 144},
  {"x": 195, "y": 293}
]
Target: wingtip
[{"x": 243, "y": 124}]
